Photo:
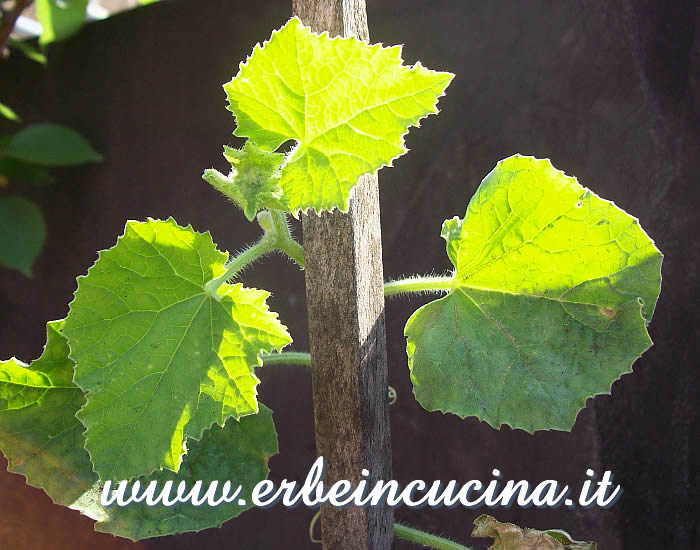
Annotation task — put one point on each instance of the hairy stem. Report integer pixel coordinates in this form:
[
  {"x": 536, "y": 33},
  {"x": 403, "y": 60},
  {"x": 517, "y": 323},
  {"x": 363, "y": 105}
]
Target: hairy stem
[
  {"x": 426, "y": 539},
  {"x": 418, "y": 284},
  {"x": 287, "y": 358},
  {"x": 239, "y": 262},
  {"x": 285, "y": 241}
]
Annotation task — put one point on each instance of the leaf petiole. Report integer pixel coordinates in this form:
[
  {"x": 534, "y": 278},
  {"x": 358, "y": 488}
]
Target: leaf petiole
[
  {"x": 285, "y": 241},
  {"x": 426, "y": 539},
  {"x": 265, "y": 245},
  {"x": 418, "y": 284},
  {"x": 286, "y": 358},
  {"x": 277, "y": 236}
]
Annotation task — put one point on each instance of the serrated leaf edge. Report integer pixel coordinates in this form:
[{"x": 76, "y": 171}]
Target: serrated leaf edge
[
  {"x": 170, "y": 220},
  {"x": 258, "y": 46},
  {"x": 582, "y": 402}
]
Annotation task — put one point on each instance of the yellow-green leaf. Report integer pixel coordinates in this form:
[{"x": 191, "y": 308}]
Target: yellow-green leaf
[
  {"x": 551, "y": 297},
  {"x": 346, "y": 104}
]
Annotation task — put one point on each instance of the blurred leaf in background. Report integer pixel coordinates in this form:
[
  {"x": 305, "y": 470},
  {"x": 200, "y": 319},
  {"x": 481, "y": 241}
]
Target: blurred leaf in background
[
  {"x": 26, "y": 47},
  {"x": 26, "y": 157},
  {"x": 8, "y": 113},
  {"x": 50, "y": 145},
  {"x": 22, "y": 233},
  {"x": 59, "y": 18}
]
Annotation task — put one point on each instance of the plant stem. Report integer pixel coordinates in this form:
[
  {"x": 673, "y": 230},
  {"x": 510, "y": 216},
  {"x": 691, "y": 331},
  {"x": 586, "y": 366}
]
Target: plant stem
[
  {"x": 287, "y": 358},
  {"x": 418, "y": 284},
  {"x": 262, "y": 247},
  {"x": 426, "y": 539},
  {"x": 285, "y": 241}
]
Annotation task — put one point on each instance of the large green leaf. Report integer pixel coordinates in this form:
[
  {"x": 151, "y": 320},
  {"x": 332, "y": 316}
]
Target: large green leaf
[
  {"x": 50, "y": 145},
  {"x": 553, "y": 291},
  {"x": 346, "y": 104},
  {"x": 160, "y": 358},
  {"x": 22, "y": 233},
  {"x": 59, "y": 19},
  {"x": 43, "y": 441}
]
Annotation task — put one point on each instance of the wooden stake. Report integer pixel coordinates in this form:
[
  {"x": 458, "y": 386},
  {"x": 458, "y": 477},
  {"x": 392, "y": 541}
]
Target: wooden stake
[{"x": 345, "y": 298}]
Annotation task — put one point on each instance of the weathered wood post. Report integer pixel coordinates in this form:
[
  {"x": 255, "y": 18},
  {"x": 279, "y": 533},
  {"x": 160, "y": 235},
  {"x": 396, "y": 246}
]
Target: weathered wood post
[{"x": 345, "y": 297}]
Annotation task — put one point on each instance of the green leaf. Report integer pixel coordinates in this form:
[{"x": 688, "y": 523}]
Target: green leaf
[
  {"x": 24, "y": 171},
  {"x": 22, "y": 234},
  {"x": 50, "y": 145},
  {"x": 160, "y": 358},
  {"x": 346, "y": 104},
  {"x": 59, "y": 18},
  {"x": 22, "y": 385},
  {"x": 253, "y": 183},
  {"x": 44, "y": 442},
  {"x": 8, "y": 113},
  {"x": 238, "y": 452},
  {"x": 553, "y": 291},
  {"x": 508, "y": 536}
]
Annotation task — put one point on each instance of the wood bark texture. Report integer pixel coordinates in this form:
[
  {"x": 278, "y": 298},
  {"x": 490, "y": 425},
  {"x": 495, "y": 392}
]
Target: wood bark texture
[{"x": 345, "y": 298}]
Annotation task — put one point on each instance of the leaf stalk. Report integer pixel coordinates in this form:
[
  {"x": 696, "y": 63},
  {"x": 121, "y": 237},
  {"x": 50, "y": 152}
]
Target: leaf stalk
[
  {"x": 426, "y": 539},
  {"x": 419, "y": 284},
  {"x": 285, "y": 241},
  {"x": 240, "y": 262},
  {"x": 287, "y": 358}
]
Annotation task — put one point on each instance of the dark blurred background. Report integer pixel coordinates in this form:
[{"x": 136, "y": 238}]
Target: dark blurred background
[{"x": 610, "y": 91}]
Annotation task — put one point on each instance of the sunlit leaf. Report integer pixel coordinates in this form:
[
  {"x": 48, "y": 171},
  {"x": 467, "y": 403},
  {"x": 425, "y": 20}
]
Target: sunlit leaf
[
  {"x": 22, "y": 385},
  {"x": 553, "y": 291},
  {"x": 159, "y": 357},
  {"x": 346, "y": 104}
]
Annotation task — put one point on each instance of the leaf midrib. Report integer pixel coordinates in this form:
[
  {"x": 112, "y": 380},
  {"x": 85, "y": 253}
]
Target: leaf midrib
[{"x": 165, "y": 370}]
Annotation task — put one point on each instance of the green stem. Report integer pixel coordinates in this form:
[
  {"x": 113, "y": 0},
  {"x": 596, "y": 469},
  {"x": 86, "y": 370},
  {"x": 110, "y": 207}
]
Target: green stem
[
  {"x": 426, "y": 539},
  {"x": 285, "y": 241},
  {"x": 287, "y": 358},
  {"x": 262, "y": 247},
  {"x": 418, "y": 284}
]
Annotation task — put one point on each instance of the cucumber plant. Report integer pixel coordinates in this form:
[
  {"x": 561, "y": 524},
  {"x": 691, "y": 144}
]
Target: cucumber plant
[{"x": 151, "y": 376}]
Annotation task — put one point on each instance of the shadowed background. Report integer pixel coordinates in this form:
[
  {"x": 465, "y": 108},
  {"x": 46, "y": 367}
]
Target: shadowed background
[{"x": 609, "y": 91}]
